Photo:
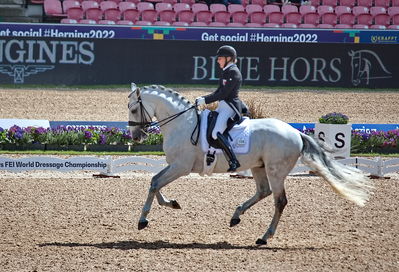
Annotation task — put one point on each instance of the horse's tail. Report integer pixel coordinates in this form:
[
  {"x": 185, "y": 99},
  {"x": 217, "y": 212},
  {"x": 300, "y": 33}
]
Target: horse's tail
[{"x": 347, "y": 181}]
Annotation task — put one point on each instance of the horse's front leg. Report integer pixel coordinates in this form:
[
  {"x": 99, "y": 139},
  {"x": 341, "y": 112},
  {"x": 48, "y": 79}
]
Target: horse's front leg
[
  {"x": 163, "y": 201},
  {"x": 167, "y": 175}
]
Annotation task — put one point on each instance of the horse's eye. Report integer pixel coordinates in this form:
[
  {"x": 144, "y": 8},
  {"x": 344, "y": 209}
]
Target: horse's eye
[{"x": 133, "y": 111}]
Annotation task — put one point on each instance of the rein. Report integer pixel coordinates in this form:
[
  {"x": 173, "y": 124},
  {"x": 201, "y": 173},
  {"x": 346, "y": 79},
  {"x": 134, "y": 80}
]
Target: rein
[{"x": 146, "y": 124}]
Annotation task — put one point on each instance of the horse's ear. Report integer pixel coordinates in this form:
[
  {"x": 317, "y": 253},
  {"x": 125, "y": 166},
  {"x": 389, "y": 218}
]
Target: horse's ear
[
  {"x": 351, "y": 53},
  {"x": 134, "y": 89}
]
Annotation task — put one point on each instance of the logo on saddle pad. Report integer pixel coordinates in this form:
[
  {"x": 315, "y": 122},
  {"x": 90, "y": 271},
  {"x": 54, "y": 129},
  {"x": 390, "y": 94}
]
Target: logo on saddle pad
[{"x": 239, "y": 136}]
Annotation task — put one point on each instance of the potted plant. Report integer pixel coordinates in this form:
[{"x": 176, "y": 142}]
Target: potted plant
[
  {"x": 375, "y": 142},
  {"x": 17, "y": 138},
  {"x": 334, "y": 118},
  {"x": 77, "y": 139},
  {"x": 110, "y": 139},
  {"x": 334, "y": 130}
]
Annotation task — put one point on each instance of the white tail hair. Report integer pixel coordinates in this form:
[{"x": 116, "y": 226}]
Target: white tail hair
[{"x": 351, "y": 183}]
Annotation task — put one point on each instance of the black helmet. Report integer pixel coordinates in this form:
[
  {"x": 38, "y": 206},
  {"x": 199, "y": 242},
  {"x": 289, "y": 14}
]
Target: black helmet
[{"x": 227, "y": 51}]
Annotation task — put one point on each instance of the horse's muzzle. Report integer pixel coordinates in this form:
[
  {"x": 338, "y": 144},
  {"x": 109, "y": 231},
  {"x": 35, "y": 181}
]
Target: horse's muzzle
[{"x": 137, "y": 133}]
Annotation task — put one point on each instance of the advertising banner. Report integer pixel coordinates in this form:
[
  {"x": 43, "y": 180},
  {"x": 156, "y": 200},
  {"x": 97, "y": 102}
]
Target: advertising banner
[
  {"x": 213, "y": 34},
  {"x": 7, "y": 123},
  {"x": 106, "y": 61},
  {"x": 363, "y": 128},
  {"x": 89, "y": 124},
  {"x": 54, "y": 164}
]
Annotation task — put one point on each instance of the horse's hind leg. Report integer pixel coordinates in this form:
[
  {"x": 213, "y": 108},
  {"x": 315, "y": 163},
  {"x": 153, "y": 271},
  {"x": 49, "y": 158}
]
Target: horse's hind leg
[
  {"x": 262, "y": 191},
  {"x": 280, "y": 201}
]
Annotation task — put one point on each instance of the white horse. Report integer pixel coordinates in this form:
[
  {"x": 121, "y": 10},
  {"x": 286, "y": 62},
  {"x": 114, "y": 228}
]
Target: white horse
[{"x": 275, "y": 148}]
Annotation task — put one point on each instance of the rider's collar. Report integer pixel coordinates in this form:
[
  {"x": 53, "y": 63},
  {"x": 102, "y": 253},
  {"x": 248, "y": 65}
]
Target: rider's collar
[{"x": 228, "y": 66}]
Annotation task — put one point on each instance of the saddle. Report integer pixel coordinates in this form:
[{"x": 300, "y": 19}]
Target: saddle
[
  {"x": 237, "y": 134},
  {"x": 231, "y": 122}
]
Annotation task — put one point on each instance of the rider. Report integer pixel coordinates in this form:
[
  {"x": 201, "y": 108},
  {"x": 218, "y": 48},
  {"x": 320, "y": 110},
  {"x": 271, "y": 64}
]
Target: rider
[{"x": 229, "y": 103}]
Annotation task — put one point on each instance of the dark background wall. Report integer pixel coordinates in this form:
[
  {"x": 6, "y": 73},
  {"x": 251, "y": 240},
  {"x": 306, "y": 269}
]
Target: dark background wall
[{"x": 102, "y": 61}]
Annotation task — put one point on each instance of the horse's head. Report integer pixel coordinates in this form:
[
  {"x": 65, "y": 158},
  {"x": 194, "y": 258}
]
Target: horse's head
[{"x": 140, "y": 114}]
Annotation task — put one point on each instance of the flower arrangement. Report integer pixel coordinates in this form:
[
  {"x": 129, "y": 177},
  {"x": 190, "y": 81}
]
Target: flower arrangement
[
  {"x": 66, "y": 136},
  {"x": 334, "y": 118},
  {"x": 374, "y": 141},
  {"x": 362, "y": 142},
  {"x": 307, "y": 131}
]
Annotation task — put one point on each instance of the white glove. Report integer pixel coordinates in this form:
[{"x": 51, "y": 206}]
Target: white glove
[{"x": 200, "y": 101}]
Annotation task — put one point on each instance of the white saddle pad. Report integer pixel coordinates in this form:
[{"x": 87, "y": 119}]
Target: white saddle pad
[{"x": 239, "y": 133}]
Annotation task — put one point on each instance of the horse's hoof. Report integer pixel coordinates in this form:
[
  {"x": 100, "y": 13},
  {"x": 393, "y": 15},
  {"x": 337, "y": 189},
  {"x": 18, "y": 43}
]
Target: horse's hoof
[
  {"x": 175, "y": 205},
  {"x": 261, "y": 242},
  {"x": 234, "y": 221},
  {"x": 142, "y": 225}
]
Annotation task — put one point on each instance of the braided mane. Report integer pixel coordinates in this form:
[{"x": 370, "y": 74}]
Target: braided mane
[{"x": 168, "y": 92}]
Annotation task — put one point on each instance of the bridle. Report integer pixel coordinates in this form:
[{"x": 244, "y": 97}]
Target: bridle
[
  {"x": 145, "y": 116},
  {"x": 143, "y": 113}
]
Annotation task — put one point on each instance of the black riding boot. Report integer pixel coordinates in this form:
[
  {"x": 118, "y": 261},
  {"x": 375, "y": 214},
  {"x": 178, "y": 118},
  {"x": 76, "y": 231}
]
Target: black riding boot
[{"x": 228, "y": 152}]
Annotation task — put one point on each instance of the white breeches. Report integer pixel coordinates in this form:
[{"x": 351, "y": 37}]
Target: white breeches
[{"x": 225, "y": 112}]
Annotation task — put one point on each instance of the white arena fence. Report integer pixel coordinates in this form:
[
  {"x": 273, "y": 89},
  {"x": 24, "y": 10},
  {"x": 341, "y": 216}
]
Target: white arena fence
[
  {"x": 376, "y": 167},
  {"x": 108, "y": 167}
]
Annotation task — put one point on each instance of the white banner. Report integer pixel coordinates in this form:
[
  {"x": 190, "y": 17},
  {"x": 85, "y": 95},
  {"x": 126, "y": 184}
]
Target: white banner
[
  {"x": 23, "y": 123},
  {"x": 54, "y": 164}
]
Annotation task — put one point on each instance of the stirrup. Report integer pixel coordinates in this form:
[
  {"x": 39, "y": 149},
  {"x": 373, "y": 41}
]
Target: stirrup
[
  {"x": 233, "y": 166},
  {"x": 210, "y": 158}
]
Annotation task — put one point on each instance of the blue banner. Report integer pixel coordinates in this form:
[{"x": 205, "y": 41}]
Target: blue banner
[
  {"x": 213, "y": 34},
  {"x": 367, "y": 128},
  {"x": 88, "y": 124},
  {"x": 364, "y": 128}
]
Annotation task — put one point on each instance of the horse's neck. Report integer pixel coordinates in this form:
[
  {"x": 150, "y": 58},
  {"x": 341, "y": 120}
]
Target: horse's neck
[{"x": 165, "y": 107}]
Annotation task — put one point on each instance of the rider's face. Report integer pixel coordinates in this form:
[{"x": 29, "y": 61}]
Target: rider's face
[{"x": 222, "y": 61}]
